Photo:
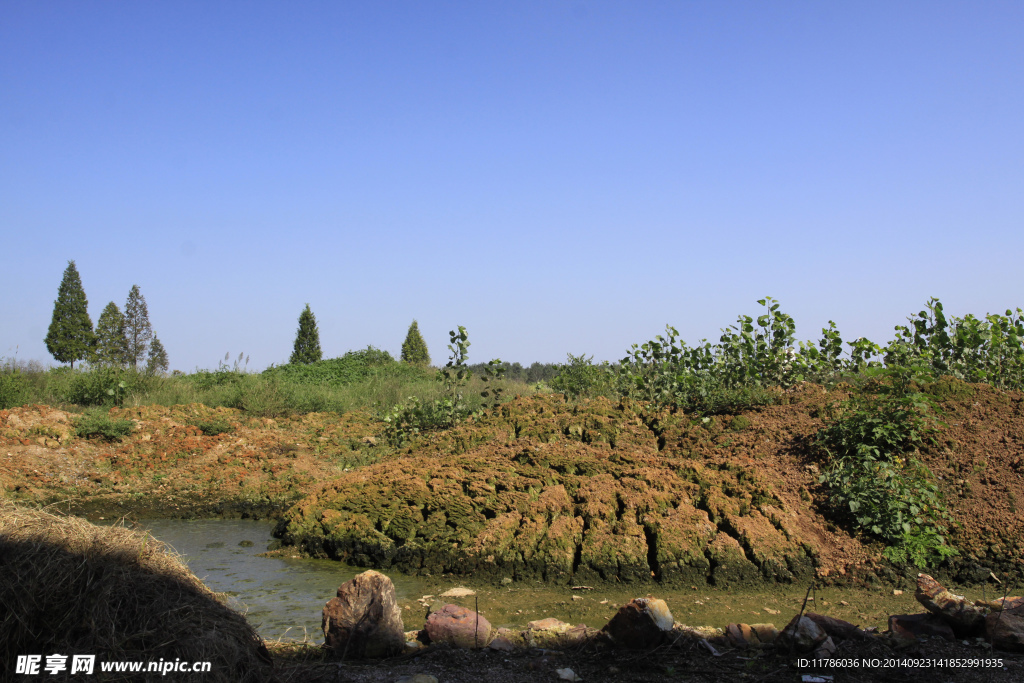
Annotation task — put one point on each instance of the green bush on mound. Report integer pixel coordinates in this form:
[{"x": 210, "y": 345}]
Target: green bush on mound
[
  {"x": 99, "y": 423},
  {"x": 71, "y": 587}
]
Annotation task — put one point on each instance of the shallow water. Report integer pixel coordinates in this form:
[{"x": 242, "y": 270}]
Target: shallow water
[{"x": 283, "y": 598}]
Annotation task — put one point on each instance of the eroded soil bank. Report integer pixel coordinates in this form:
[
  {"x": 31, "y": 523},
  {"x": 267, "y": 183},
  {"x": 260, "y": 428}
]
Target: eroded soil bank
[
  {"x": 540, "y": 490},
  {"x": 606, "y": 492}
]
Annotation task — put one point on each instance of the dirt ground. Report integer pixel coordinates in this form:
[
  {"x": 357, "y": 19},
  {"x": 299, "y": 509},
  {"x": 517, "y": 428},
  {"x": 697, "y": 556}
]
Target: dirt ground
[{"x": 930, "y": 661}]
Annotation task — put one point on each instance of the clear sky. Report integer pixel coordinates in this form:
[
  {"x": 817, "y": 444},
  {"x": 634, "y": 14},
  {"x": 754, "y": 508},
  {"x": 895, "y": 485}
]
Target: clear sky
[{"x": 557, "y": 176}]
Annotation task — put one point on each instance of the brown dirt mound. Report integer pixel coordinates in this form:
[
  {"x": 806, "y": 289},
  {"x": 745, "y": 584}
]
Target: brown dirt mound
[
  {"x": 168, "y": 466},
  {"x": 70, "y": 587},
  {"x": 547, "y": 490},
  {"x": 543, "y": 489}
]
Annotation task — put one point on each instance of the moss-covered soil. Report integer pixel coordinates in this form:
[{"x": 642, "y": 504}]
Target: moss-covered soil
[{"x": 541, "y": 489}]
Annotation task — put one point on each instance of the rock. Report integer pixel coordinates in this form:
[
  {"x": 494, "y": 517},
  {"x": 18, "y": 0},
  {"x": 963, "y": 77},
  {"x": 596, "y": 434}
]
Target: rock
[
  {"x": 837, "y": 628},
  {"x": 956, "y": 610},
  {"x": 502, "y": 644},
  {"x": 1006, "y": 631},
  {"x": 825, "y": 650},
  {"x": 911, "y": 626},
  {"x": 766, "y": 633},
  {"x": 458, "y": 626},
  {"x": 1006, "y": 628},
  {"x": 458, "y": 592},
  {"x": 801, "y": 634},
  {"x": 567, "y": 675},
  {"x": 554, "y": 634},
  {"x": 994, "y": 605},
  {"x": 364, "y": 620},
  {"x": 641, "y": 623},
  {"x": 742, "y": 635}
]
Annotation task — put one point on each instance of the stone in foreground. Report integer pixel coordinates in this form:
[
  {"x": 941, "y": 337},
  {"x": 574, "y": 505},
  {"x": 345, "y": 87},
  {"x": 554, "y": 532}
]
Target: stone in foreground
[
  {"x": 802, "y": 635},
  {"x": 641, "y": 623},
  {"x": 910, "y": 627},
  {"x": 364, "y": 621},
  {"x": 1006, "y": 627},
  {"x": 458, "y": 626},
  {"x": 960, "y": 613}
]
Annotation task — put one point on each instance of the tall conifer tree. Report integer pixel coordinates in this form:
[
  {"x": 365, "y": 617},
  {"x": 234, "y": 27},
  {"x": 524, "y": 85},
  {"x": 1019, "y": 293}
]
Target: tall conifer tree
[
  {"x": 137, "y": 329},
  {"x": 111, "y": 342},
  {"x": 157, "y": 363},
  {"x": 414, "y": 349},
  {"x": 70, "y": 336},
  {"x": 307, "y": 339}
]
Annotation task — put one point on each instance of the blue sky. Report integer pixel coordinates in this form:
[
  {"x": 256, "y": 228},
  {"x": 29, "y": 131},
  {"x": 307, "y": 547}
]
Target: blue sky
[{"x": 556, "y": 176}]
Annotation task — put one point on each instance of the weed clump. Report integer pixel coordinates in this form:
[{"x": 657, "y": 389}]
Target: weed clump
[
  {"x": 213, "y": 427},
  {"x": 100, "y": 424}
]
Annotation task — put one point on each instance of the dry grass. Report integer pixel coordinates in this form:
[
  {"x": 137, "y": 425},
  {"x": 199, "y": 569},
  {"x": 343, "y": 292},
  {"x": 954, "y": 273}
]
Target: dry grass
[{"x": 70, "y": 587}]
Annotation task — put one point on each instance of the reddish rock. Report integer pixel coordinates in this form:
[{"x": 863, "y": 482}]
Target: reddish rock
[
  {"x": 641, "y": 623},
  {"x": 1006, "y": 631},
  {"x": 1006, "y": 627},
  {"x": 364, "y": 620},
  {"x": 960, "y": 613},
  {"x": 910, "y": 626},
  {"x": 458, "y": 626}
]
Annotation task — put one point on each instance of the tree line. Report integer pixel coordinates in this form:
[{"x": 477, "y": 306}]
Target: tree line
[
  {"x": 119, "y": 339},
  {"x": 414, "y": 351}
]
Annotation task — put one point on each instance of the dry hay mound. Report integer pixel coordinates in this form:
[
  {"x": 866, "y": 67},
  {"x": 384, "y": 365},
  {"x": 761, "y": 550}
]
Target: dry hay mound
[
  {"x": 542, "y": 489},
  {"x": 70, "y": 587}
]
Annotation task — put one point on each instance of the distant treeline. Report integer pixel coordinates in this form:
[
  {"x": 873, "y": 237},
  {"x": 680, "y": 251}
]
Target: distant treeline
[{"x": 537, "y": 372}]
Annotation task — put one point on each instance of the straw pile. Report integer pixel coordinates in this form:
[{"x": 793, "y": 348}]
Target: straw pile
[{"x": 70, "y": 587}]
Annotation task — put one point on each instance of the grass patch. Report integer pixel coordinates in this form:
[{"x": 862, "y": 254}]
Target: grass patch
[
  {"x": 97, "y": 423},
  {"x": 213, "y": 427}
]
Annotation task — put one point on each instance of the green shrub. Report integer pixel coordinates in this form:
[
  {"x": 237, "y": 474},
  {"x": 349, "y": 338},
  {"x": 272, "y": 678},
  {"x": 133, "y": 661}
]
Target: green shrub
[
  {"x": 13, "y": 391},
  {"x": 98, "y": 423},
  {"x": 580, "y": 378},
  {"x": 876, "y": 485},
  {"x": 405, "y": 421},
  {"x": 106, "y": 386},
  {"x": 261, "y": 396},
  {"x": 353, "y": 367}
]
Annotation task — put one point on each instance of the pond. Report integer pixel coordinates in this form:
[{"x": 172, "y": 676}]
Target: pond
[{"x": 283, "y": 597}]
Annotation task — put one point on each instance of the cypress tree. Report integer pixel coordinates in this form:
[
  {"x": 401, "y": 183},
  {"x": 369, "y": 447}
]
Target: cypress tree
[
  {"x": 137, "y": 329},
  {"x": 111, "y": 342},
  {"x": 70, "y": 336},
  {"x": 414, "y": 349},
  {"x": 157, "y": 363},
  {"x": 307, "y": 339}
]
